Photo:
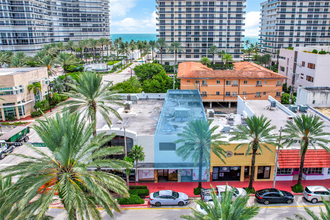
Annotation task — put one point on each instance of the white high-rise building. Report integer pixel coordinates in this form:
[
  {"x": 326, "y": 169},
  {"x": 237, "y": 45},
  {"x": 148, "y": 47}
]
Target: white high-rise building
[
  {"x": 27, "y": 25},
  {"x": 197, "y": 25},
  {"x": 293, "y": 23}
]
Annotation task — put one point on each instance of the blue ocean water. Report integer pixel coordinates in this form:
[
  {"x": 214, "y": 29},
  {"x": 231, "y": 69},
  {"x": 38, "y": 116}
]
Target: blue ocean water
[{"x": 149, "y": 37}]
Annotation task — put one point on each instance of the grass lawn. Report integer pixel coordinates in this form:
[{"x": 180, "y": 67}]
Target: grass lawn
[{"x": 113, "y": 62}]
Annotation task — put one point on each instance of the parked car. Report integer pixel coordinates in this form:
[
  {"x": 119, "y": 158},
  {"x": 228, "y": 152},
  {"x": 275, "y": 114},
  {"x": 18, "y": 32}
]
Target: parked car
[
  {"x": 272, "y": 195},
  {"x": 314, "y": 194},
  {"x": 206, "y": 193},
  {"x": 168, "y": 197},
  {"x": 201, "y": 210}
]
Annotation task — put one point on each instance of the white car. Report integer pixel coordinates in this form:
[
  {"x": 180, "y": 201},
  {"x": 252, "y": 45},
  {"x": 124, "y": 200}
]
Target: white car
[
  {"x": 201, "y": 210},
  {"x": 206, "y": 196},
  {"x": 168, "y": 197},
  {"x": 314, "y": 194}
]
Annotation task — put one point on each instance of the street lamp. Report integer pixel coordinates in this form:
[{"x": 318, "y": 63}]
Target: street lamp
[{"x": 50, "y": 85}]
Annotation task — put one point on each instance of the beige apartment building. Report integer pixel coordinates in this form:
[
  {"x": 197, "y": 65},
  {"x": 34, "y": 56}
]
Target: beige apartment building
[{"x": 15, "y": 99}]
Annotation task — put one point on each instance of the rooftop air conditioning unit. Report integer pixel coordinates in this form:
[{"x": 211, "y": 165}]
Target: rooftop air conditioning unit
[
  {"x": 272, "y": 105},
  {"x": 134, "y": 98},
  {"x": 293, "y": 108},
  {"x": 210, "y": 113},
  {"x": 128, "y": 105},
  {"x": 303, "y": 108}
]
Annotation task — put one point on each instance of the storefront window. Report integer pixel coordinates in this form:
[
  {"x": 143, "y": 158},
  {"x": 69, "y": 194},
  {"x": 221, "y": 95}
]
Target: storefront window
[
  {"x": 312, "y": 170},
  {"x": 328, "y": 171},
  {"x": 284, "y": 171},
  {"x": 263, "y": 172},
  {"x": 226, "y": 173}
]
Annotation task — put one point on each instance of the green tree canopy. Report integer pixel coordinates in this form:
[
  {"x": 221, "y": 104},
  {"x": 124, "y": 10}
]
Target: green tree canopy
[
  {"x": 132, "y": 85},
  {"x": 160, "y": 83},
  {"x": 147, "y": 71},
  {"x": 205, "y": 61}
]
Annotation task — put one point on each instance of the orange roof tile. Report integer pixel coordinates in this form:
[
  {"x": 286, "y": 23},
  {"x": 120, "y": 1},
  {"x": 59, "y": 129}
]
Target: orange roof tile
[
  {"x": 242, "y": 70},
  {"x": 313, "y": 159}
]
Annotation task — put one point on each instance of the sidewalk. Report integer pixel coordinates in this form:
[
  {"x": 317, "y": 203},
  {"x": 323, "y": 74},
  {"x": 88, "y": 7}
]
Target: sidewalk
[{"x": 188, "y": 187}]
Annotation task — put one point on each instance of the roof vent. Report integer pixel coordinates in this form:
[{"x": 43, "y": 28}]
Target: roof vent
[{"x": 210, "y": 113}]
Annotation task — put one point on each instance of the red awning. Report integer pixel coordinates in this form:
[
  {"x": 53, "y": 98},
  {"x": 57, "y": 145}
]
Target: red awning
[{"x": 313, "y": 159}]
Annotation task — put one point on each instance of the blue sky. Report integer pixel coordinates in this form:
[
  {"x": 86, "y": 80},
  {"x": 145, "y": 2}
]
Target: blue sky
[{"x": 139, "y": 16}]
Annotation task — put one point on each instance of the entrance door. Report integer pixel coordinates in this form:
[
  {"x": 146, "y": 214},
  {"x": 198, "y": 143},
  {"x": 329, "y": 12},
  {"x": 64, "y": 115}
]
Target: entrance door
[
  {"x": 246, "y": 172},
  {"x": 166, "y": 175},
  {"x": 162, "y": 175},
  {"x": 263, "y": 172}
]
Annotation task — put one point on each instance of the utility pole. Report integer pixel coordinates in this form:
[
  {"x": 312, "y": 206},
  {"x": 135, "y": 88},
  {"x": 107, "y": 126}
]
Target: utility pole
[{"x": 276, "y": 159}]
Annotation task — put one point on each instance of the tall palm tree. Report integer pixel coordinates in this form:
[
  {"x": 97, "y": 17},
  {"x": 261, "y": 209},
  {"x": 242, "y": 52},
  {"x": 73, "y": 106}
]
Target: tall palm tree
[
  {"x": 81, "y": 45},
  {"x": 70, "y": 45},
  {"x": 224, "y": 209},
  {"x": 308, "y": 129},
  {"x": 35, "y": 88},
  {"x": 86, "y": 46},
  {"x": 65, "y": 59},
  {"x": 313, "y": 216},
  {"x": 213, "y": 50},
  {"x": 89, "y": 95},
  {"x": 107, "y": 43},
  {"x": 247, "y": 43},
  {"x": 176, "y": 47},
  {"x": 257, "y": 134},
  {"x": 5, "y": 185},
  {"x": 60, "y": 46},
  {"x": 227, "y": 58},
  {"x": 64, "y": 170},
  {"x": 132, "y": 46},
  {"x": 137, "y": 154},
  {"x": 116, "y": 43},
  {"x": 19, "y": 59},
  {"x": 140, "y": 47},
  {"x": 5, "y": 57},
  {"x": 153, "y": 45},
  {"x": 39, "y": 55},
  {"x": 161, "y": 45},
  {"x": 48, "y": 62},
  {"x": 198, "y": 141},
  {"x": 221, "y": 53},
  {"x": 102, "y": 42},
  {"x": 205, "y": 61},
  {"x": 93, "y": 44}
]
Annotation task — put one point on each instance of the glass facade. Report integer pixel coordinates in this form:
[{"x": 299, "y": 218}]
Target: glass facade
[
  {"x": 11, "y": 110},
  {"x": 180, "y": 107}
]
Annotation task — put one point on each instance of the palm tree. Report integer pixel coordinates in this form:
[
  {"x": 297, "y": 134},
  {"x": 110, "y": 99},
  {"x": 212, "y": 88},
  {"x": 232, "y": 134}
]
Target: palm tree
[
  {"x": 153, "y": 45},
  {"x": 213, "y": 50},
  {"x": 176, "y": 47},
  {"x": 205, "y": 61},
  {"x": 5, "y": 57},
  {"x": 72, "y": 151},
  {"x": 65, "y": 59},
  {"x": 224, "y": 210},
  {"x": 89, "y": 95},
  {"x": 198, "y": 140},
  {"x": 19, "y": 59},
  {"x": 247, "y": 44},
  {"x": 140, "y": 47},
  {"x": 70, "y": 45},
  {"x": 161, "y": 45},
  {"x": 60, "y": 46},
  {"x": 92, "y": 44},
  {"x": 116, "y": 43},
  {"x": 132, "y": 46},
  {"x": 107, "y": 43},
  {"x": 227, "y": 58},
  {"x": 257, "y": 134},
  {"x": 137, "y": 155},
  {"x": 308, "y": 129},
  {"x": 35, "y": 87},
  {"x": 102, "y": 42},
  {"x": 39, "y": 55},
  {"x": 221, "y": 53},
  {"x": 127, "y": 170},
  {"x": 81, "y": 45},
  {"x": 5, "y": 185},
  {"x": 48, "y": 62},
  {"x": 323, "y": 215}
]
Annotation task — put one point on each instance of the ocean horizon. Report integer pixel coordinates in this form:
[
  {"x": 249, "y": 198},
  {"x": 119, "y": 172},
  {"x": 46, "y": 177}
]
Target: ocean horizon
[{"x": 152, "y": 36}]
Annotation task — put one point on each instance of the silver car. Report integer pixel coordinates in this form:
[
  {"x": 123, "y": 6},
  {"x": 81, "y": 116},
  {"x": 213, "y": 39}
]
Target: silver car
[
  {"x": 314, "y": 194},
  {"x": 168, "y": 197},
  {"x": 206, "y": 193}
]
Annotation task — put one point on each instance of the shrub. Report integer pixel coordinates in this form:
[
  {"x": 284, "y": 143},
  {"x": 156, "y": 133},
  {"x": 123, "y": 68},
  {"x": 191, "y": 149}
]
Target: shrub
[
  {"x": 35, "y": 114},
  {"x": 315, "y": 51},
  {"x": 138, "y": 187},
  {"x": 197, "y": 191},
  {"x": 250, "y": 191},
  {"x": 63, "y": 98},
  {"x": 11, "y": 118},
  {"x": 297, "y": 188},
  {"x": 139, "y": 192},
  {"x": 133, "y": 199},
  {"x": 322, "y": 52}
]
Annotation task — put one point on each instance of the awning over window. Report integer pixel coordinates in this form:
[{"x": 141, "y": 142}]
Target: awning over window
[{"x": 313, "y": 159}]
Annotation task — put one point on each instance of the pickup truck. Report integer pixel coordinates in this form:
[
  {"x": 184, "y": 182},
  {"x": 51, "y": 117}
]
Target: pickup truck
[
  {"x": 12, "y": 139},
  {"x": 206, "y": 193}
]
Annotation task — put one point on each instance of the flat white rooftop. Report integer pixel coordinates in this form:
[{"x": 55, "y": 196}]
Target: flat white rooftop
[{"x": 13, "y": 71}]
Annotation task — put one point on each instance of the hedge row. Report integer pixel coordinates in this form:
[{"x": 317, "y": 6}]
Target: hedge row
[
  {"x": 133, "y": 199},
  {"x": 138, "y": 187},
  {"x": 139, "y": 192}
]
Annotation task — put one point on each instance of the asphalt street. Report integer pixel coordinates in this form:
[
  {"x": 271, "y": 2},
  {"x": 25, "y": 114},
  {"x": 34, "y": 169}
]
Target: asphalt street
[{"x": 272, "y": 211}]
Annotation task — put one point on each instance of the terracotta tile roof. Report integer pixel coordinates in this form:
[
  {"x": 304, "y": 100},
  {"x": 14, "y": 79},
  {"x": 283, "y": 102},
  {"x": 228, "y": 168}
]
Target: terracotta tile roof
[
  {"x": 242, "y": 70},
  {"x": 313, "y": 159}
]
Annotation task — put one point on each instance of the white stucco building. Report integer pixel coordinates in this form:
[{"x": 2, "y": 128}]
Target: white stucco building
[{"x": 304, "y": 68}]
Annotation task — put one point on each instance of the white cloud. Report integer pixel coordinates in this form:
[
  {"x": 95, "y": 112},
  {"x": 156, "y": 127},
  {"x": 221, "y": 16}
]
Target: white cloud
[
  {"x": 119, "y": 8},
  {"x": 131, "y": 24},
  {"x": 252, "y": 23}
]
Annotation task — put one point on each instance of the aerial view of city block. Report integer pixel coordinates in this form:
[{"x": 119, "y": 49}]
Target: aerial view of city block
[{"x": 165, "y": 109}]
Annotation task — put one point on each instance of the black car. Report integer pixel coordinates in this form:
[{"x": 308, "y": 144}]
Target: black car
[{"x": 272, "y": 195}]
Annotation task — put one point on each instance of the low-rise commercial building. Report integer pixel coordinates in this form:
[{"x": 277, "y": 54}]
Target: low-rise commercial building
[
  {"x": 304, "y": 68},
  {"x": 248, "y": 80},
  {"x": 17, "y": 100}
]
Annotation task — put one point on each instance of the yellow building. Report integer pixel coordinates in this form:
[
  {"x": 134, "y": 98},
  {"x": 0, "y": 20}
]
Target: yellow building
[{"x": 238, "y": 166}]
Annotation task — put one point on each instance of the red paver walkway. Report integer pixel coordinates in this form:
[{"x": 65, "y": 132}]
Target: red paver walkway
[{"x": 188, "y": 188}]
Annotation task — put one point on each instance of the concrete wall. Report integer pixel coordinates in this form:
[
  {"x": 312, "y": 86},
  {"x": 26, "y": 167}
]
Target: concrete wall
[
  {"x": 314, "y": 97},
  {"x": 243, "y": 108},
  {"x": 284, "y": 177},
  {"x": 286, "y": 60},
  {"x": 282, "y": 107},
  {"x": 146, "y": 95}
]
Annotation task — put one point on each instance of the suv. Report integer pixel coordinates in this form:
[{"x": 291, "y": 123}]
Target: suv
[
  {"x": 314, "y": 194},
  {"x": 206, "y": 193}
]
